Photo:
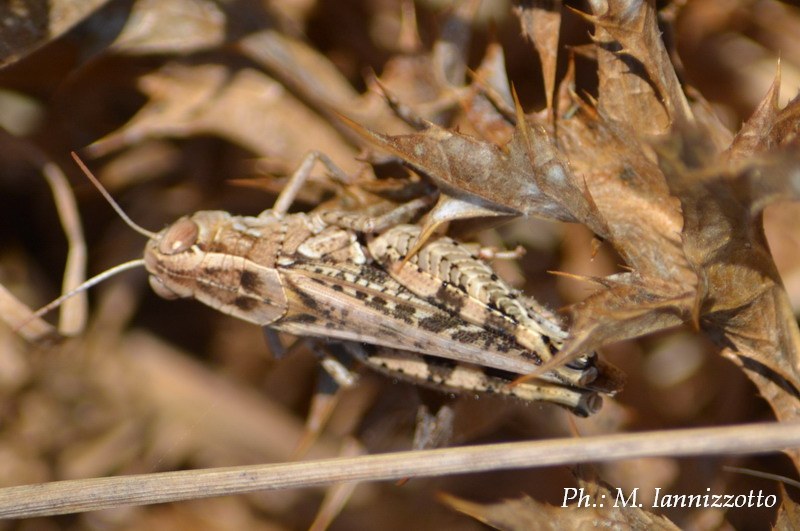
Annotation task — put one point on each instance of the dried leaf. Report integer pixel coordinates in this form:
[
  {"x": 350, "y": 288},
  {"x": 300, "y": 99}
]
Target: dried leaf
[
  {"x": 16, "y": 313},
  {"x": 788, "y": 514},
  {"x": 528, "y": 514},
  {"x": 769, "y": 127},
  {"x": 29, "y": 25},
  {"x": 739, "y": 290},
  {"x": 638, "y": 84},
  {"x": 638, "y": 216},
  {"x": 450, "y": 50},
  {"x": 244, "y": 106},
  {"x": 628, "y": 309},
  {"x": 172, "y": 26},
  {"x": 541, "y": 21},
  {"x": 479, "y": 172},
  {"x": 756, "y": 129}
]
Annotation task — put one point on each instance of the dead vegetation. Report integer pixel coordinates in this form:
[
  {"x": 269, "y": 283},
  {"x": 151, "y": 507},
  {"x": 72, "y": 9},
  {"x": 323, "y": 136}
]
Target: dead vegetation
[{"x": 658, "y": 132}]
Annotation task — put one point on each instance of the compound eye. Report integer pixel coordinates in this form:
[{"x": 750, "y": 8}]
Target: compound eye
[{"x": 179, "y": 237}]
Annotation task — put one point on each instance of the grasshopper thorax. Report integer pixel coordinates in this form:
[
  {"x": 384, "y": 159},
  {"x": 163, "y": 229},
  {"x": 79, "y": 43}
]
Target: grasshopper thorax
[{"x": 220, "y": 260}]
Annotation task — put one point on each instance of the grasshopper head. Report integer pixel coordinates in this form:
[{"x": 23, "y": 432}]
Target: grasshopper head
[
  {"x": 174, "y": 256},
  {"x": 207, "y": 256},
  {"x": 210, "y": 256}
]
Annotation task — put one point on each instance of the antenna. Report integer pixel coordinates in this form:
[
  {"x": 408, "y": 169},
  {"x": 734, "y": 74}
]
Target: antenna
[
  {"x": 114, "y": 204},
  {"x": 139, "y": 262},
  {"x": 107, "y": 273}
]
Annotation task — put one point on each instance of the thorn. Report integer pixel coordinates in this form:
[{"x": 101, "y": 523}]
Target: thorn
[{"x": 575, "y": 276}]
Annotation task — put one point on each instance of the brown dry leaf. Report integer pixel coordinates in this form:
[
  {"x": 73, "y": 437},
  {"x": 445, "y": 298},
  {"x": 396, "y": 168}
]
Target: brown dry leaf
[
  {"x": 525, "y": 513},
  {"x": 245, "y": 106},
  {"x": 424, "y": 82},
  {"x": 740, "y": 300},
  {"x": 788, "y": 514},
  {"x": 172, "y": 26},
  {"x": 769, "y": 127},
  {"x": 28, "y": 25},
  {"x": 684, "y": 215},
  {"x": 638, "y": 84},
  {"x": 468, "y": 168},
  {"x": 16, "y": 313},
  {"x": 490, "y": 92},
  {"x": 309, "y": 73},
  {"x": 541, "y": 21},
  {"x": 719, "y": 273}
]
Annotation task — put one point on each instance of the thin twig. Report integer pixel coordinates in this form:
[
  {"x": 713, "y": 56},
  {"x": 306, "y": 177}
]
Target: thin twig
[
  {"x": 72, "y": 318},
  {"x": 74, "y": 496}
]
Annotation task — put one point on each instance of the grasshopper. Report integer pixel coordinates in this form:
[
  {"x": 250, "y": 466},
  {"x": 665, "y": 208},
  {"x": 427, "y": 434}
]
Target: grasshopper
[{"x": 441, "y": 318}]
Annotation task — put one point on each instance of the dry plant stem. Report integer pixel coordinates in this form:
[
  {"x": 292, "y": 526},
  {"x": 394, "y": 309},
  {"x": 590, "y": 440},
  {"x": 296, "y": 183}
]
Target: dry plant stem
[
  {"x": 63, "y": 497},
  {"x": 73, "y": 313},
  {"x": 16, "y": 313}
]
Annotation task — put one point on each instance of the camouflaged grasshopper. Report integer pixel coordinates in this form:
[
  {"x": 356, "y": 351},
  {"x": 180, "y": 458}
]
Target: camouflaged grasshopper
[{"x": 441, "y": 318}]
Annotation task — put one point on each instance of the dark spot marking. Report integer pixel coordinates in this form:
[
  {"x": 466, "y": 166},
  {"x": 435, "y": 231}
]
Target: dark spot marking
[
  {"x": 534, "y": 357},
  {"x": 308, "y": 301},
  {"x": 212, "y": 271},
  {"x": 500, "y": 341},
  {"x": 337, "y": 287},
  {"x": 378, "y": 303},
  {"x": 303, "y": 318},
  {"x": 245, "y": 303},
  {"x": 439, "y": 322},
  {"x": 500, "y": 374},
  {"x": 497, "y": 322},
  {"x": 369, "y": 350},
  {"x": 439, "y": 369},
  {"x": 361, "y": 295},
  {"x": 554, "y": 349},
  {"x": 250, "y": 281},
  {"x": 445, "y": 297},
  {"x": 493, "y": 277},
  {"x": 436, "y": 361},
  {"x": 404, "y": 312},
  {"x": 469, "y": 337},
  {"x": 373, "y": 275},
  {"x": 628, "y": 176}
]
